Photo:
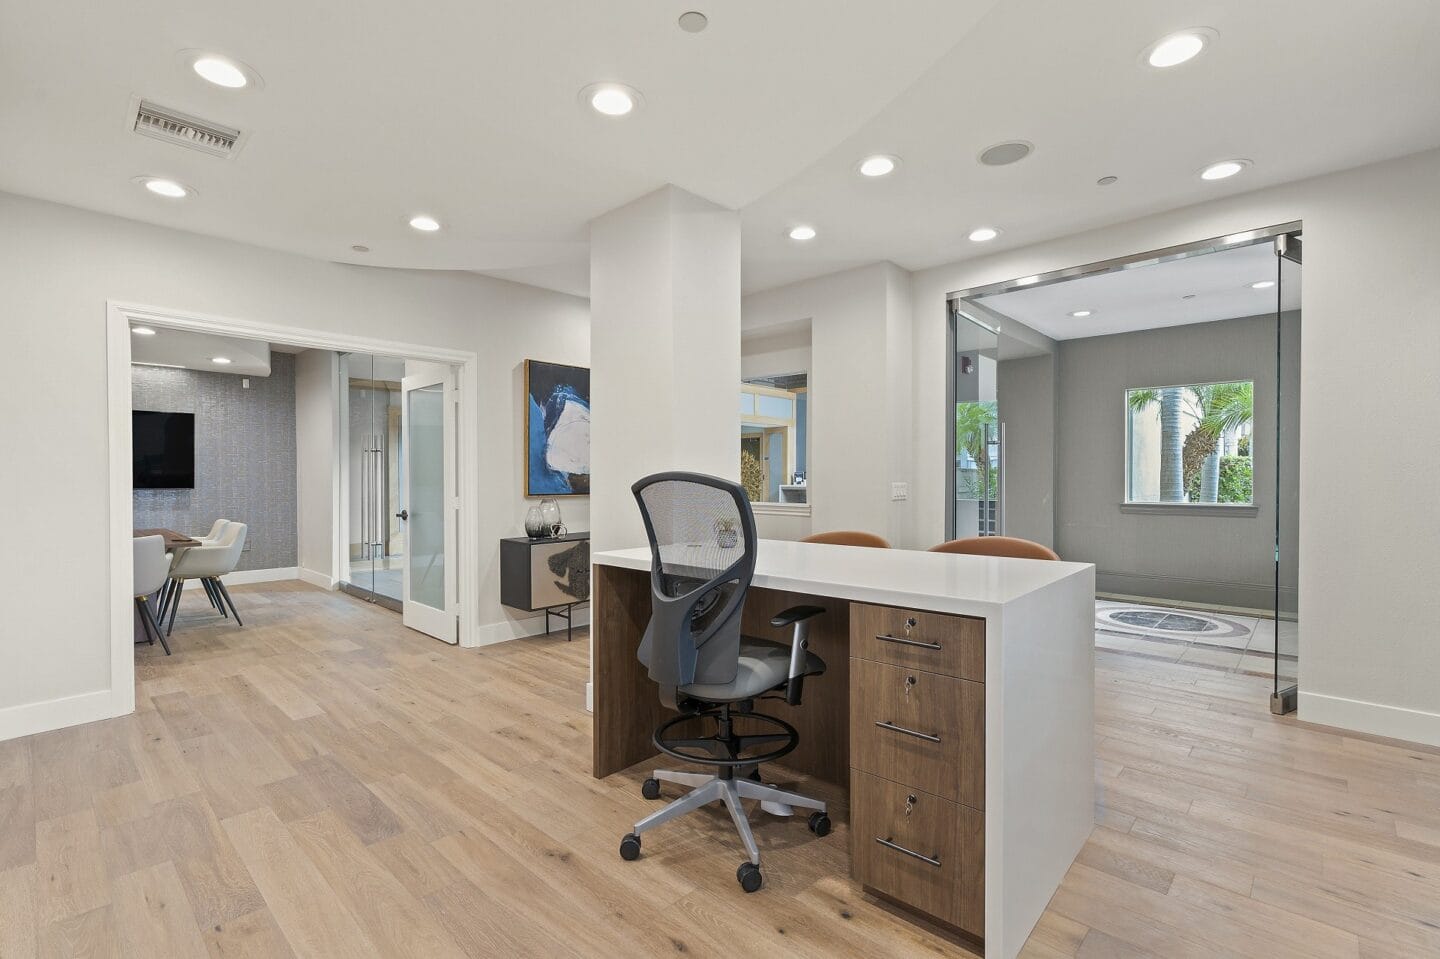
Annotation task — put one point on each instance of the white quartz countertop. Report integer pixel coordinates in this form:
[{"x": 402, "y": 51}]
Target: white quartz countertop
[{"x": 942, "y": 582}]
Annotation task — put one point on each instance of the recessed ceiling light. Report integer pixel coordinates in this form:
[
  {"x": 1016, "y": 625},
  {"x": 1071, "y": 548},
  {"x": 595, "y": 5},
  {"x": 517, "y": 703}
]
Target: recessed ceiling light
[
  {"x": 1223, "y": 170},
  {"x": 221, "y": 72},
  {"x": 1188, "y": 296},
  {"x": 1262, "y": 285},
  {"x": 880, "y": 164},
  {"x": 142, "y": 331},
  {"x": 802, "y": 233},
  {"x": 160, "y": 186},
  {"x": 220, "y": 360},
  {"x": 611, "y": 99},
  {"x": 1179, "y": 47},
  {"x": 1081, "y": 314},
  {"x": 694, "y": 21},
  {"x": 424, "y": 223},
  {"x": 983, "y": 234},
  {"x": 1004, "y": 154},
  {"x": 1106, "y": 180},
  {"x": 1027, "y": 280},
  {"x": 360, "y": 248}
]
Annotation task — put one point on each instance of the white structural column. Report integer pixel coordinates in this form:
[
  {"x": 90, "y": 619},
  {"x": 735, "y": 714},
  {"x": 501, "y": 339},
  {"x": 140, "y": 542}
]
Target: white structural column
[{"x": 664, "y": 351}]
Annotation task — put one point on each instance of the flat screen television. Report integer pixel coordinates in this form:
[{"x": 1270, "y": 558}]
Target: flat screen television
[{"x": 164, "y": 448}]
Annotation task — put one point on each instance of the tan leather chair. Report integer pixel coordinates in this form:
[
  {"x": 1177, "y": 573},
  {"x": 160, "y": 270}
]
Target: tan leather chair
[
  {"x": 847, "y": 537},
  {"x": 1011, "y": 546}
]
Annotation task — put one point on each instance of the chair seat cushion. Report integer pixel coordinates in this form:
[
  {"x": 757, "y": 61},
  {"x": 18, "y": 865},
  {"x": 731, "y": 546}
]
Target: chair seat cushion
[{"x": 764, "y": 664}]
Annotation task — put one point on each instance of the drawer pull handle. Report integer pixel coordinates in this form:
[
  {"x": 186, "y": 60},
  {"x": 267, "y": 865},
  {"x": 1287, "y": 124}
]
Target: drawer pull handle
[
  {"x": 907, "y": 642},
  {"x": 934, "y": 861},
  {"x": 908, "y": 732}
]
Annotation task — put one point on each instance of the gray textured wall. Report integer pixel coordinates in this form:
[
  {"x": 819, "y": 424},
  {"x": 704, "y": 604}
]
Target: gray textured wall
[
  {"x": 1182, "y": 555},
  {"x": 244, "y": 456}
]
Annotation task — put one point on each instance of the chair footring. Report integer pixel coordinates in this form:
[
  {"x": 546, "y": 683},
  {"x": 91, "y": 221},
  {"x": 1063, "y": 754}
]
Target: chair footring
[{"x": 725, "y": 744}]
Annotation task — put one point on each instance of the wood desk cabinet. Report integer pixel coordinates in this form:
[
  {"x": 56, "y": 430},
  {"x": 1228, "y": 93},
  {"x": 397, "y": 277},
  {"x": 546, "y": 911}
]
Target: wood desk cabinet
[{"x": 917, "y": 760}]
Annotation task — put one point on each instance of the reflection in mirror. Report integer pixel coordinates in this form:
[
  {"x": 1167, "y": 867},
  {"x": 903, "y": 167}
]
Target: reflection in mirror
[{"x": 774, "y": 420}]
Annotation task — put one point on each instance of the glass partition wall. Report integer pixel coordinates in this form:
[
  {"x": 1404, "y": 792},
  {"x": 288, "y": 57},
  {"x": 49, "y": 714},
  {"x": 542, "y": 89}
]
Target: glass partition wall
[
  {"x": 372, "y": 478},
  {"x": 1142, "y": 414}
]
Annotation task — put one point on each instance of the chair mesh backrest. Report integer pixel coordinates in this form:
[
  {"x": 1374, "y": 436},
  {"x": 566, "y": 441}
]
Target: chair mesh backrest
[{"x": 702, "y": 545}]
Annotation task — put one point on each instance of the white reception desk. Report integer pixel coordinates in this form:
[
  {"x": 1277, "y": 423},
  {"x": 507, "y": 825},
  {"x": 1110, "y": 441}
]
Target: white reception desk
[{"x": 1001, "y": 654}]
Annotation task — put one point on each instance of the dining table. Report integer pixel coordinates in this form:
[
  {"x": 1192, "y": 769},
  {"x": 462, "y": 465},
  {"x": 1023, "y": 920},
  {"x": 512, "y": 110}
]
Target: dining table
[{"x": 173, "y": 540}]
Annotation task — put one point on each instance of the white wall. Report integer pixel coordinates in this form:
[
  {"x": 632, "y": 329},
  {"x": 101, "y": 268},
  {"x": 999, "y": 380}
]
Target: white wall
[
  {"x": 861, "y": 393},
  {"x": 665, "y": 306},
  {"x": 317, "y": 424},
  {"x": 1369, "y": 461},
  {"x": 59, "y": 265}
]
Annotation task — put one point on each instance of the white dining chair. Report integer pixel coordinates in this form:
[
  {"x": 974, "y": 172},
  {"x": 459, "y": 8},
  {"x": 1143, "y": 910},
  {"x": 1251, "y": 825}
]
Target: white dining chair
[
  {"x": 152, "y": 569},
  {"x": 208, "y": 563}
]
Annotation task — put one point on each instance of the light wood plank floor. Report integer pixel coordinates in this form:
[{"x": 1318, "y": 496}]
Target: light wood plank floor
[{"x": 325, "y": 783}]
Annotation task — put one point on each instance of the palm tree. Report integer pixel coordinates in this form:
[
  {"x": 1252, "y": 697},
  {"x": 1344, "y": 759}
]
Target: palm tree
[
  {"x": 1218, "y": 408},
  {"x": 973, "y": 424},
  {"x": 1172, "y": 462}
]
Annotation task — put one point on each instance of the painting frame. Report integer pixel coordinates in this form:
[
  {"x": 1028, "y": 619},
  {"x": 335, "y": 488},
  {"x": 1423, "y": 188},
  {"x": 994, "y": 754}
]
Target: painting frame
[{"x": 567, "y": 390}]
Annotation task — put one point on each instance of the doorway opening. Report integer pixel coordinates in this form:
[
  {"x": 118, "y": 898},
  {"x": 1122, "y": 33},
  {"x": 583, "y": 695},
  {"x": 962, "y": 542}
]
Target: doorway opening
[{"x": 1142, "y": 414}]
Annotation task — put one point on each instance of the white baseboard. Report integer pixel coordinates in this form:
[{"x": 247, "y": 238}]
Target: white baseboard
[
  {"x": 502, "y": 632},
  {"x": 316, "y": 579},
  {"x": 28, "y": 718},
  {"x": 244, "y": 577},
  {"x": 589, "y": 697},
  {"x": 1377, "y": 719}
]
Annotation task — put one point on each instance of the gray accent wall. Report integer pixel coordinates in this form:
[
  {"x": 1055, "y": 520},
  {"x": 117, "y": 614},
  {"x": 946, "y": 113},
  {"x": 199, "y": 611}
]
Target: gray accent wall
[
  {"x": 1026, "y": 395},
  {"x": 244, "y": 456},
  {"x": 1178, "y": 553}
]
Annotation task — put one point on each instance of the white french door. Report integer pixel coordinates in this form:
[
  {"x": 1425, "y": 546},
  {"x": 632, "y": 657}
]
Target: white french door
[{"x": 430, "y": 502}]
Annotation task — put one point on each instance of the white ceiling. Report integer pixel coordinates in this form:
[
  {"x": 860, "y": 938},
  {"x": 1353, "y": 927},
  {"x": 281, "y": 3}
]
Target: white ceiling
[
  {"x": 196, "y": 351},
  {"x": 467, "y": 109},
  {"x": 1153, "y": 296}
]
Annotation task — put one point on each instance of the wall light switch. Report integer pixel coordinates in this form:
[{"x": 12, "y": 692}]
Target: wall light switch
[
  {"x": 245, "y": 383},
  {"x": 899, "y": 491}
]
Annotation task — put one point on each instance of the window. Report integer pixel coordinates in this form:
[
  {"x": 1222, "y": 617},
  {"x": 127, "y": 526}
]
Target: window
[
  {"x": 1190, "y": 444},
  {"x": 774, "y": 416}
]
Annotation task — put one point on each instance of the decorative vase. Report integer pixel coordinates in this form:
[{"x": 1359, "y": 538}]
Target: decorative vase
[
  {"x": 535, "y": 524},
  {"x": 550, "y": 517}
]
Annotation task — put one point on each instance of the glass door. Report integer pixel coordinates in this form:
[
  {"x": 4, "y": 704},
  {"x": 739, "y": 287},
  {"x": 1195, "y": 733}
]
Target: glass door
[
  {"x": 975, "y": 476},
  {"x": 372, "y": 477},
  {"x": 1287, "y": 507},
  {"x": 428, "y": 419}
]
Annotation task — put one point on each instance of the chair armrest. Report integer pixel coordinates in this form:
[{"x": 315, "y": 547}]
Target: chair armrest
[{"x": 794, "y": 614}]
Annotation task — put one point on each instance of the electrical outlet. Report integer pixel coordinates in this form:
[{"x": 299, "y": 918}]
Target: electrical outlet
[{"x": 899, "y": 491}]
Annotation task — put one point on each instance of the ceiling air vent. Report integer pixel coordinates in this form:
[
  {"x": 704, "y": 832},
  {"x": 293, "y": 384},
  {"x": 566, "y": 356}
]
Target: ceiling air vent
[{"x": 181, "y": 129}]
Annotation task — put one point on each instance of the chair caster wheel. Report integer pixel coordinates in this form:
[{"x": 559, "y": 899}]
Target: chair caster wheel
[
  {"x": 819, "y": 824},
  {"x": 650, "y": 789},
  {"x": 749, "y": 876},
  {"x": 630, "y": 847}
]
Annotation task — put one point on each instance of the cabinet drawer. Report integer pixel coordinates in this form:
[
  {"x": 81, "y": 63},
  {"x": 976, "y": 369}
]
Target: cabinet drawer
[
  {"x": 919, "y": 849},
  {"x": 911, "y": 726},
  {"x": 952, "y": 645}
]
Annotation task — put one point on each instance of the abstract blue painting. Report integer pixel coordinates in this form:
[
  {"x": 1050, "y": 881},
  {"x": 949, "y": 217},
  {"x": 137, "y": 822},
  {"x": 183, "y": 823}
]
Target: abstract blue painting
[{"x": 557, "y": 429}]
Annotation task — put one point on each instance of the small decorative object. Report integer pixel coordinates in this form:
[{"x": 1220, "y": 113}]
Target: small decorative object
[
  {"x": 725, "y": 533},
  {"x": 557, "y": 429},
  {"x": 550, "y": 517},
  {"x": 535, "y": 524}
]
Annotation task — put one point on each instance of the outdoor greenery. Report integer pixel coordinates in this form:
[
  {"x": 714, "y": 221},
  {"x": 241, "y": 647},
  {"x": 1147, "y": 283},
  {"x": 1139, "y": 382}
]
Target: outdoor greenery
[
  {"x": 1192, "y": 466},
  {"x": 972, "y": 420},
  {"x": 1236, "y": 481},
  {"x": 752, "y": 476}
]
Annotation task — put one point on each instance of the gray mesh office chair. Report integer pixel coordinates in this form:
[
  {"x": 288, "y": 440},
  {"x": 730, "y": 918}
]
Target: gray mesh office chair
[{"x": 702, "y": 543}]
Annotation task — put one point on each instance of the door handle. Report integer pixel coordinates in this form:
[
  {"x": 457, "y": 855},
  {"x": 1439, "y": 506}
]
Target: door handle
[{"x": 403, "y": 514}]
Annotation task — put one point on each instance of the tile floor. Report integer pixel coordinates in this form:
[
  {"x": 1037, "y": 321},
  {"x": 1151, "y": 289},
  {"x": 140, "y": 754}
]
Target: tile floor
[{"x": 1222, "y": 641}]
